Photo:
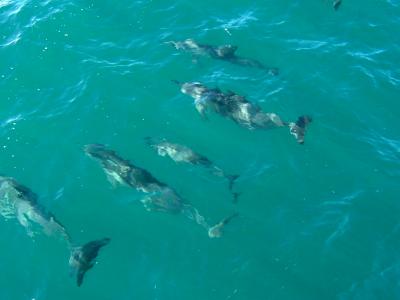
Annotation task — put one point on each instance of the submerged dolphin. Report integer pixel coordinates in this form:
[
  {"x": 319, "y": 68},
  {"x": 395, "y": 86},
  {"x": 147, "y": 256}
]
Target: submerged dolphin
[
  {"x": 239, "y": 109},
  {"x": 83, "y": 258},
  {"x": 19, "y": 202},
  {"x": 180, "y": 153},
  {"x": 160, "y": 196},
  {"x": 224, "y": 52}
]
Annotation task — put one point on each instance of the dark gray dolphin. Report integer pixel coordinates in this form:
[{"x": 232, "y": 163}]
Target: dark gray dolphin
[
  {"x": 181, "y": 153},
  {"x": 19, "y": 202},
  {"x": 160, "y": 197},
  {"x": 83, "y": 258},
  {"x": 239, "y": 109},
  {"x": 224, "y": 52}
]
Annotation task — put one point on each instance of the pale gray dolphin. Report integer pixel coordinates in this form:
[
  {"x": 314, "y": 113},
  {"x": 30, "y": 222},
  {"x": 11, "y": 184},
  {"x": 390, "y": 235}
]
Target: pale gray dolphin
[
  {"x": 239, "y": 109},
  {"x": 160, "y": 197},
  {"x": 224, "y": 52},
  {"x": 19, "y": 202},
  {"x": 181, "y": 153},
  {"x": 83, "y": 258}
]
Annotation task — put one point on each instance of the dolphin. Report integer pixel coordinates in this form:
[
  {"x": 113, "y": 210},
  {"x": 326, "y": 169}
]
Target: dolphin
[
  {"x": 159, "y": 196},
  {"x": 181, "y": 153},
  {"x": 239, "y": 109},
  {"x": 83, "y": 258},
  {"x": 224, "y": 52},
  {"x": 19, "y": 202}
]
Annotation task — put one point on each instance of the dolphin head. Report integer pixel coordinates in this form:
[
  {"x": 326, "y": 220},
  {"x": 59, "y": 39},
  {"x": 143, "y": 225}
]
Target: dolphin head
[
  {"x": 98, "y": 151},
  {"x": 193, "y": 89}
]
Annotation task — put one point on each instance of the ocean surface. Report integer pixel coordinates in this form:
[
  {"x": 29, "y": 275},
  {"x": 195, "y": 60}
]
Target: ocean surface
[{"x": 316, "y": 221}]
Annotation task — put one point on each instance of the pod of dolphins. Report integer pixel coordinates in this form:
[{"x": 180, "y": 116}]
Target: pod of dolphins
[{"x": 20, "y": 203}]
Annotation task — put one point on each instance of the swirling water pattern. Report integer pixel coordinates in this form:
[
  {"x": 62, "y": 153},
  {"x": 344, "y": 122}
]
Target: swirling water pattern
[{"x": 318, "y": 221}]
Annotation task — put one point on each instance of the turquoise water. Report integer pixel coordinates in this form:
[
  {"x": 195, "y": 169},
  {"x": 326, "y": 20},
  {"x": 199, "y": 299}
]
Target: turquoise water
[{"x": 317, "y": 221}]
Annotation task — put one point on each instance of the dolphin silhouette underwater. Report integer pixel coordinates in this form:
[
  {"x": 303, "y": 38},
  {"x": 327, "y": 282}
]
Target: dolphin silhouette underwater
[
  {"x": 183, "y": 154},
  {"x": 224, "y": 52},
  {"x": 160, "y": 197}
]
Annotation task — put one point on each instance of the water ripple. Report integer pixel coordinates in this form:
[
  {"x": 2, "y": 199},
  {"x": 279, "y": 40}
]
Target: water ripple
[
  {"x": 227, "y": 24},
  {"x": 388, "y": 149},
  {"x": 366, "y": 55},
  {"x": 241, "y": 21},
  {"x": 37, "y": 19},
  {"x": 4, "y": 3},
  {"x": 11, "y": 120},
  {"x": 12, "y": 40},
  {"x": 307, "y": 44},
  {"x": 334, "y": 215},
  {"x": 13, "y": 9},
  {"x": 392, "y": 78}
]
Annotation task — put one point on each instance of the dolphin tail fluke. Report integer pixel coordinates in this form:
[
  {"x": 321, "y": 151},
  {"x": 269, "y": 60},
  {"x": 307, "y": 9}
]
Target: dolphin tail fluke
[
  {"x": 82, "y": 258},
  {"x": 298, "y": 129},
  {"x": 79, "y": 277},
  {"x": 216, "y": 230},
  {"x": 336, "y": 4}
]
